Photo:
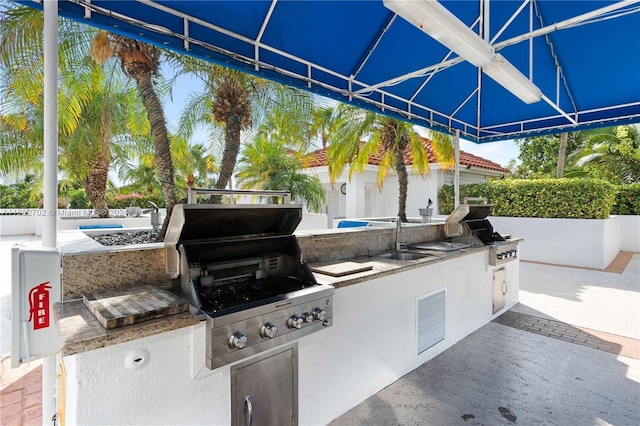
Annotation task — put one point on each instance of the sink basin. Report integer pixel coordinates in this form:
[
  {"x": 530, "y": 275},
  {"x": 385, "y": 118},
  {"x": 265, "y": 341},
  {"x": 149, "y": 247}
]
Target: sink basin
[{"x": 402, "y": 255}]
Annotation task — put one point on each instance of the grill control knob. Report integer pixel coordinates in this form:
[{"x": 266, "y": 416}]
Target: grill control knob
[
  {"x": 307, "y": 317},
  {"x": 318, "y": 314},
  {"x": 237, "y": 341},
  {"x": 294, "y": 321},
  {"x": 268, "y": 331}
]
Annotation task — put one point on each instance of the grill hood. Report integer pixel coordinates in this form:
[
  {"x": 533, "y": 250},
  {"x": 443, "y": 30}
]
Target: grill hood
[{"x": 207, "y": 223}]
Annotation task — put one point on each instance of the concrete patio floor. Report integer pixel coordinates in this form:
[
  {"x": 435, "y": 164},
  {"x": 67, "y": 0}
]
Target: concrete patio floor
[{"x": 567, "y": 354}]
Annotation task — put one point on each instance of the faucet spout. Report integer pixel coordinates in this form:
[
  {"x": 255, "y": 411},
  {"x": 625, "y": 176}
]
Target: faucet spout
[{"x": 399, "y": 245}]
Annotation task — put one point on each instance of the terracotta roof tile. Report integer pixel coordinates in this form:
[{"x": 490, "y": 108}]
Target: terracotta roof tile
[{"x": 318, "y": 158}]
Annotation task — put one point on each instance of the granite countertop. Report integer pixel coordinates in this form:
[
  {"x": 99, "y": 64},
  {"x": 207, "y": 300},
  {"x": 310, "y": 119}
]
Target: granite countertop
[
  {"x": 80, "y": 331},
  {"x": 382, "y": 267}
]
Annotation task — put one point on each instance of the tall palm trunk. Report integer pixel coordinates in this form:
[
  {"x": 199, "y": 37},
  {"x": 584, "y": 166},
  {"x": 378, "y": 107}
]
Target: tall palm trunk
[
  {"x": 230, "y": 155},
  {"x": 155, "y": 114},
  {"x": 562, "y": 154},
  {"x": 233, "y": 108},
  {"x": 139, "y": 61},
  {"x": 96, "y": 183},
  {"x": 403, "y": 178}
]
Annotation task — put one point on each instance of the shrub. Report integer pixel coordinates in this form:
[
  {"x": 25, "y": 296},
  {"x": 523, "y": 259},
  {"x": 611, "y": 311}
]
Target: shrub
[
  {"x": 78, "y": 199},
  {"x": 546, "y": 198},
  {"x": 122, "y": 201},
  {"x": 627, "y": 200}
]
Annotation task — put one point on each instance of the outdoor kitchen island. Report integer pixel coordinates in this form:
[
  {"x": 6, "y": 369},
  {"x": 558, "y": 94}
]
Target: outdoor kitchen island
[{"x": 387, "y": 319}]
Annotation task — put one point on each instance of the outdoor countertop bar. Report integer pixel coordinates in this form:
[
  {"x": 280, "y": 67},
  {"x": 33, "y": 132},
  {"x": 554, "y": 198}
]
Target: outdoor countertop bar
[{"x": 80, "y": 331}]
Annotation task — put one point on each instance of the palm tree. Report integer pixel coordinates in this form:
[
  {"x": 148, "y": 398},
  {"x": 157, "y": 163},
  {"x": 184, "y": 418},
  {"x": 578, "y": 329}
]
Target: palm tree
[
  {"x": 140, "y": 61},
  {"x": 194, "y": 162},
  {"x": 21, "y": 141},
  {"x": 325, "y": 122},
  {"x": 267, "y": 164},
  {"x": 234, "y": 101},
  {"x": 87, "y": 148},
  {"x": 274, "y": 160},
  {"x": 21, "y": 85},
  {"x": 389, "y": 138},
  {"x": 611, "y": 153},
  {"x": 143, "y": 176},
  {"x": 95, "y": 109}
]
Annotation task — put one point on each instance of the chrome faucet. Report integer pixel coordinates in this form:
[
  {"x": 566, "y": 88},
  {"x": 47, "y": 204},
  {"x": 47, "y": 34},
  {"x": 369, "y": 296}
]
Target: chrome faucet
[{"x": 399, "y": 245}]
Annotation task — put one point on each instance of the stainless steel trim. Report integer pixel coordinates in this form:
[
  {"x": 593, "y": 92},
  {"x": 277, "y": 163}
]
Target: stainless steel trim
[
  {"x": 192, "y": 192},
  {"x": 502, "y": 252},
  {"x": 248, "y": 411}
]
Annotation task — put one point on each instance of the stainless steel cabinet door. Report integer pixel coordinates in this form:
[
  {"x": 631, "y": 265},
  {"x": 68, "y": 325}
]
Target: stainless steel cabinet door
[
  {"x": 499, "y": 289},
  {"x": 264, "y": 391}
]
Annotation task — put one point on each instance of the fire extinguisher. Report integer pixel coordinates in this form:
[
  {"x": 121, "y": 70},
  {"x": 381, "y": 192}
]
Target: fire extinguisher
[{"x": 39, "y": 305}]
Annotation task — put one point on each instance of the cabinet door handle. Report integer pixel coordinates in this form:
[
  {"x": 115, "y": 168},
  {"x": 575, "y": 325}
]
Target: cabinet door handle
[{"x": 248, "y": 411}]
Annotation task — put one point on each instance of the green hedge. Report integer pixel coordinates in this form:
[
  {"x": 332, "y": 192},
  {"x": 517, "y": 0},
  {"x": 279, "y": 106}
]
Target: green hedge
[
  {"x": 627, "y": 200},
  {"x": 121, "y": 201},
  {"x": 548, "y": 198}
]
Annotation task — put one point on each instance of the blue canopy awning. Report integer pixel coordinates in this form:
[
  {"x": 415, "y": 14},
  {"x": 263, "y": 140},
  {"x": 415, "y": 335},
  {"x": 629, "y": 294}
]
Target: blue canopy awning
[{"x": 583, "y": 55}]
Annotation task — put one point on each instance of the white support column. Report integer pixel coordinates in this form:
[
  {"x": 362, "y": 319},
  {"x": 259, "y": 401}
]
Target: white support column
[
  {"x": 50, "y": 192},
  {"x": 456, "y": 179},
  {"x": 355, "y": 196}
]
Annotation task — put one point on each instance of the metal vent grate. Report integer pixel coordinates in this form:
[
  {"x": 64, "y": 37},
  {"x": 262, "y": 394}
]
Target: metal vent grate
[
  {"x": 430, "y": 320},
  {"x": 272, "y": 264}
]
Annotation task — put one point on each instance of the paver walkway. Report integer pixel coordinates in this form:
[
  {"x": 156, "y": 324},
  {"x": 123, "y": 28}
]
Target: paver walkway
[
  {"x": 603, "y": 341},
  {"x": 21, "y": 394}
]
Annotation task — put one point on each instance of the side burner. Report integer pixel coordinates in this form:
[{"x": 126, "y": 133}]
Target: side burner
[{"x": 468, "y": 224}]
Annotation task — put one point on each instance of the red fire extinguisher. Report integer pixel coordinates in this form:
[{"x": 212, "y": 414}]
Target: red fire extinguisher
[{"x": 39, "y": 305}]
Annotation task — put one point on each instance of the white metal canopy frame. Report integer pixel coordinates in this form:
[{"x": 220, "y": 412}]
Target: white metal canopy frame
[{"x": 492, "y": 70}]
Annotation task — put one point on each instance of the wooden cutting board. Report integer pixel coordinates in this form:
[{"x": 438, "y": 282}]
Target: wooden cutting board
[
  {"x": 133, "y": 305},
  {"x": 341, "y": 269}
]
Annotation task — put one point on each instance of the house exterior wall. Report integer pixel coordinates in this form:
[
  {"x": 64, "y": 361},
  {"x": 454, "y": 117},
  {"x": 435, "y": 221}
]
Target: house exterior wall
[{"x": 363, "y": 199}]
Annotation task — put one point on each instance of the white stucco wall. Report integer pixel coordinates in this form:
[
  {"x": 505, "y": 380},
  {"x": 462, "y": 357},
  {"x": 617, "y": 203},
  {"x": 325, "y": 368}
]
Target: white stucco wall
[
  {"x": 629, "y": 233},
  {"x": 18, "y": 225},
  {"x": 592, "y": 243},
  {"x": 371, "y": 344},
  {"x": 312, "y": 221}
]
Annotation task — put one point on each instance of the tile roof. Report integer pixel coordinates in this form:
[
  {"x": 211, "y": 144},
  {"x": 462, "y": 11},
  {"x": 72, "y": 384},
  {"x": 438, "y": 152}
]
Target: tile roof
[{"x": 318, "y": 158}]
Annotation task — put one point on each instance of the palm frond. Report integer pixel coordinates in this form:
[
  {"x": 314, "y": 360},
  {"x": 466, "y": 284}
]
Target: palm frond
[{"x": 101, "y": 48}]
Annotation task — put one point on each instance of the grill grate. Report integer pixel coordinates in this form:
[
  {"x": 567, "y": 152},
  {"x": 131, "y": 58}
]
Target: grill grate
[{"x": 237, "y": 292}]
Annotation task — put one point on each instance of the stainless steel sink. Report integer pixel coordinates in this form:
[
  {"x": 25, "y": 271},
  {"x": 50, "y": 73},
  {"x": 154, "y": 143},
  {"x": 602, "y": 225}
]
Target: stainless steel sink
[{"x": 403, "y": 255}]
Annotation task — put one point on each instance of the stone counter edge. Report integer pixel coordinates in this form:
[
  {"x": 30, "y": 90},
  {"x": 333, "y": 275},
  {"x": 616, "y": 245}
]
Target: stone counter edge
[{"x": 79, "y": 331}]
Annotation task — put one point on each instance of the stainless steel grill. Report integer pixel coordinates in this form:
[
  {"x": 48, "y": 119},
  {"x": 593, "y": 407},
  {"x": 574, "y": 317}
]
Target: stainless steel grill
[
  {"x": 468, "y": 224},
  {"x": 241, "y": 269}
]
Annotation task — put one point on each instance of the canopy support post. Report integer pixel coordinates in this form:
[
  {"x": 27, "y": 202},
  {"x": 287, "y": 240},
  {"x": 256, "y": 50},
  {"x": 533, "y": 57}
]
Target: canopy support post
[
  {"x": 456, "y": 175},
  {"x": 50, "y": 191}
]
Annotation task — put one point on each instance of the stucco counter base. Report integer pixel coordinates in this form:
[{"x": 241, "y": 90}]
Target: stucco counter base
[{"x": 80, "y": 331}]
